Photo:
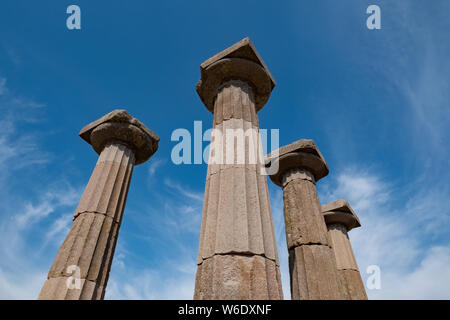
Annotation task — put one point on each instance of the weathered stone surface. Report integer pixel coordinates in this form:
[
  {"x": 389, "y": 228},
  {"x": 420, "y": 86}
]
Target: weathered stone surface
[
  {"x": 302, "y": 154},
  {"x": 108, "y": 186},
  {"x": 239, "y": 62},
  {"x": 89, "y": 246},
  {"x": 312, "y": 264},
  {"x": 345, "y": 259},
  {"x": 340, "y": 212},
  {"x": 302, "y": 145},
  {"x": 304, "y": 222},
  {"x": 353, "y": 285},
  {"x": 243, "y": 49},
  {"x": 340, "y": 218},
  {"x": 235, "y": 101},
  {"x": 237, "y": 215},
  {"x": 238, "y": 277},
  {"x": 119, "y": 125},
  {"x": 313, "y": 273},
  {"x": 237, "y": 256},
  {"x": 297, "y": 174}
]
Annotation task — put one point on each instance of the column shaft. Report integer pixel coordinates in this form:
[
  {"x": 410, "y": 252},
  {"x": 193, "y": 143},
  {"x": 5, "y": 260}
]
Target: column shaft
[
  {"x": 237, "y": 253},
  {"x": 91, "y": 241},
  {"x": 347, "y": 266},
  {"x": 312, "y": 264}
]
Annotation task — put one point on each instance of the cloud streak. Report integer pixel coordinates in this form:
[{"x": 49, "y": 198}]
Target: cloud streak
[
  {"x": 394, "y": 238},
  {"x": 32, "y": 223}
]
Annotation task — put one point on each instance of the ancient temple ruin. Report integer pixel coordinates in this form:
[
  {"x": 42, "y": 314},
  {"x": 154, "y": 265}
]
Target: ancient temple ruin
[{"x": 237, "y": 256}]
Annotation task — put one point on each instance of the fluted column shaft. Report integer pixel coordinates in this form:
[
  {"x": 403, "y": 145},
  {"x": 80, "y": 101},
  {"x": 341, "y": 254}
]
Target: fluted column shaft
[
  {"x": 237, "y": 253},
  {"x": 91, "y": 241},
  {"x": 312, "y": 264},
  {"x": 347, "y": 266}
]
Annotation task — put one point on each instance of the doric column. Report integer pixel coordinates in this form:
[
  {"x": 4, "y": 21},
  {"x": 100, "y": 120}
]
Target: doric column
[
  {"x": 340, "y": 218},
  {"x": 312, "y": 264},
  {"x": 81, "y": 268},
  {"x": 237, "y": 256}
]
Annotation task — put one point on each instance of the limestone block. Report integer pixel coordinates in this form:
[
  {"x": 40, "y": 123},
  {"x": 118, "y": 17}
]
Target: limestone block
[
  {"x": 295, "y": 174},
  {"x": 238, "y": 62},
  {"x": 353, "y": 284},
  {"x": 120, "y": 126},
  {"x": 235, "y": 101},
  {"x": 302, "y": 154},
  {"x": 313, "y": 273},
  {"x": 304, "y": 222},
  {"x": 108, "y": 186},
  {"x": 340, "y": 212},
  {"x": 238, "y": 277},
  {"x": 345, "y": 259},
  {"x": 243, "y": 49},
  {"x": 90, "y": 246},
  {"x": 237, "y": 215}
]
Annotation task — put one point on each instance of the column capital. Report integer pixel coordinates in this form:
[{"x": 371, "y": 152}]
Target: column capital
[
  {"x": 241, "y": 61},
  {"x": 302, "y": 154},
  {"x": 340, "y": 212},
  {"x": 119, "y": 125}
]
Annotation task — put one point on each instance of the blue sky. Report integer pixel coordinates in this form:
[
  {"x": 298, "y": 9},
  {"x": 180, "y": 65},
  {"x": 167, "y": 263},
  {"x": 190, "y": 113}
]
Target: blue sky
[{"x": 376, "y": 102}]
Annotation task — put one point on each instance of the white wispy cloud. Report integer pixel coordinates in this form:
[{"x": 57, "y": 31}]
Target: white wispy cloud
[
  {"x": 12, "y": 54},
  {"x": 51, "y": 201},
  {"x": 404, "y": 219},
  {"x": 60, "y": 228},
  {"x": 154, "y": 165},
  {"x": 148, "y": 284},
  {"x": 186, "y": 192},
  {"x": 21, "y": 285},
  {"x": 395, "y": 237},
  {"x": 173, "y": 220},
  {"x": 2, "y": 86},
  {"x": 179, "y": 214},
  {"x": 429, "y": 280},
  {"x": 413, "y": 60},
  {"x": 14, "y": 144},
  {"x": 38, "y": 213},
  {"x": 20, "y": 254}
]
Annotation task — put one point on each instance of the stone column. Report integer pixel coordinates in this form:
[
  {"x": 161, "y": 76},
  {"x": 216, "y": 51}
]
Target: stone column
[
  {"x": 340, "y": 218},
  {"x": 81, "y": 268},
  {"x": 237, "y": 256},
  {"x": 312, "y": 264}
]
